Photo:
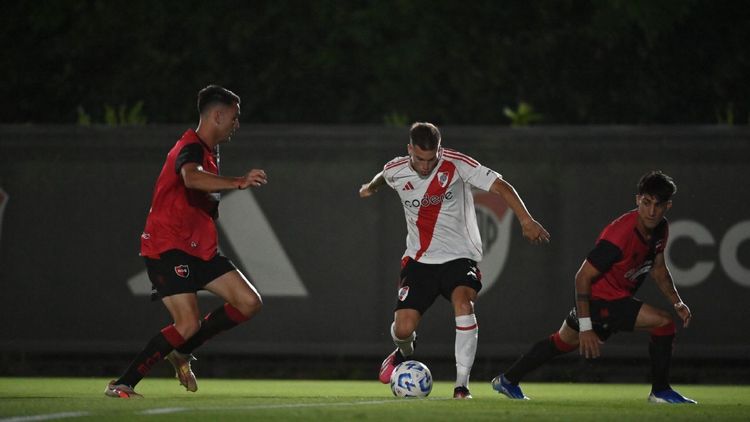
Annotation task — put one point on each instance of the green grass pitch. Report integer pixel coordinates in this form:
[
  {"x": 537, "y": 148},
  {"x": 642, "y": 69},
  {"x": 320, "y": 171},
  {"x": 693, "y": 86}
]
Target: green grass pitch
[{"x": 38, "y": 399}]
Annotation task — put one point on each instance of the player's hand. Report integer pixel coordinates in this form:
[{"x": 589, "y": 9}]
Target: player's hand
[
  {"x": 684, "y": 313},
  {"x": 534, "y": 232},
  {"x": 365, "y": 191},
  {"x": 589, "y": 344},
  {"x": 255, "y": 177}
]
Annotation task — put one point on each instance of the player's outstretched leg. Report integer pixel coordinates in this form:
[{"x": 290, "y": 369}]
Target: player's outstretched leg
[
  {"x": 540, "y": 353},
  {"x": 159, "y": 346},
  {"x": 181, "y": 364}
]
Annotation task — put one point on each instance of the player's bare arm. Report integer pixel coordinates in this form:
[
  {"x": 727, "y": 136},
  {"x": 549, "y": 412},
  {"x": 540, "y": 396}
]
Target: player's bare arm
[
  {"x": 532, "y": 229},
  {"x": 663, "y": 278},
  {"x": 253, "y": 178},
  {"x": 588, "y": 340},
  {"x": 195, "y": 177},
  {"x": 372, "y": 186}
]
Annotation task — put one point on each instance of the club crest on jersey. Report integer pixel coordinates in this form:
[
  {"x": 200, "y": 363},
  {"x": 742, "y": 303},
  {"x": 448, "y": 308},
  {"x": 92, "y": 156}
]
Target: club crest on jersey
[
  {"x": 182, "y": 271},
  {"x": 442, "y": 178},
  {"x": 402, "y": 293}
]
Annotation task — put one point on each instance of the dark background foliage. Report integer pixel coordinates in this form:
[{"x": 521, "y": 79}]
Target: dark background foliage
[{"x": 452, "y": 62}]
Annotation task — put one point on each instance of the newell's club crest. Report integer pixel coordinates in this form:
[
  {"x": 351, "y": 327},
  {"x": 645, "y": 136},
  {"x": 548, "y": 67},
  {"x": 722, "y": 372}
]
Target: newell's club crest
[
  {"x": 245, "y": 226},
  {"x": 182, "y": 271},
  {"x": 495, "y": 221}
]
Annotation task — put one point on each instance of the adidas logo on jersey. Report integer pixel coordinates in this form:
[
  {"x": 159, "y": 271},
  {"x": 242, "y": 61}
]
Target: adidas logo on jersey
[{"x": 408, "y": 186}]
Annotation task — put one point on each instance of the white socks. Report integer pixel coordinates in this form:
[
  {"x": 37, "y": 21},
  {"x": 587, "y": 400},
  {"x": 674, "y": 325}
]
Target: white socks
[
  {"x": 467, "y": 332},
  {"x": 406, "y": 346}
]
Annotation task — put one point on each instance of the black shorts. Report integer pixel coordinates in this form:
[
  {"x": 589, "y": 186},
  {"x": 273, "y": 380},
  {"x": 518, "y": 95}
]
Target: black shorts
[
  {"x": 177, "y": 272},
  {"x": 609, "y": 317},
  {"x": 422, "y": 283}
]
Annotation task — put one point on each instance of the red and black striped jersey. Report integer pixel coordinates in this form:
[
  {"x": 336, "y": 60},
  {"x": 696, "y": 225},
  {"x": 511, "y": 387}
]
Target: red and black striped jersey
[
  {"x": 182, "y": 218},
  {"x": 624, "y": 256}
]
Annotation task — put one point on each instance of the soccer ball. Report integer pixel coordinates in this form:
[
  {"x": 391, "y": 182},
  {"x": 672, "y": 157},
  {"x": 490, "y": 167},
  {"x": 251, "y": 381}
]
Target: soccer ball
[{"x": 411, "y": 379}]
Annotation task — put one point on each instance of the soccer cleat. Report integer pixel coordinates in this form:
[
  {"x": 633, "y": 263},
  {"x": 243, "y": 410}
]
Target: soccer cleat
[
  {"x": 183, "y": 372},
  {"x": 121, "y": 391},
  {"x": 669, "y": 396},
  {"x": 503, "y": 386},
  {"x": 461, "y": 393},
  {"x": 388, "y": 365}
]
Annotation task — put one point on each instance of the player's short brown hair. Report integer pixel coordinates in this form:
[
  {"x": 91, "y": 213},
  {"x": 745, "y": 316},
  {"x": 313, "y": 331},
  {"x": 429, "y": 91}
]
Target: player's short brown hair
[
  {"x": 424, "y": 135},
  {"x": 658, "y": 185},
  {"x": 214, "y": 94}
]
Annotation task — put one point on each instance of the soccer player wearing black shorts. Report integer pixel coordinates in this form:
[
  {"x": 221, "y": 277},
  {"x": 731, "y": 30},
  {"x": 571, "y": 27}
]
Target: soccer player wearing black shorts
[
  {"x": 443, "y": 244},
  {"x": 179, "y": 245},
  {"x": 627, "y": 250}
]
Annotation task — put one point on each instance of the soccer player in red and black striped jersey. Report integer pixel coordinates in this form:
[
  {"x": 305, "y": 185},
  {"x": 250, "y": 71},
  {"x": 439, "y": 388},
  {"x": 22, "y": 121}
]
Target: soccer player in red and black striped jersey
[
  {"x": 443, "y": 245},
  {"x": 179, "y": 245},
  {"x": 627, "y": 250}
]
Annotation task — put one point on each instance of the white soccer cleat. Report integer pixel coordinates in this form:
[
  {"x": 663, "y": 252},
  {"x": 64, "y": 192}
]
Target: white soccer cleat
[{"x": 121, "y": 391}]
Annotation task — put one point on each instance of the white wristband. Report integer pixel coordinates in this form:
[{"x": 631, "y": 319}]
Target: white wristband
[{"x": 584, "y": 324}]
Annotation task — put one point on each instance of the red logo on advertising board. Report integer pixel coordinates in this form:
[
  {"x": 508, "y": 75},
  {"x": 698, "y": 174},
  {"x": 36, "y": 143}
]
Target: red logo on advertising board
[{"x": 495, "y": 220}]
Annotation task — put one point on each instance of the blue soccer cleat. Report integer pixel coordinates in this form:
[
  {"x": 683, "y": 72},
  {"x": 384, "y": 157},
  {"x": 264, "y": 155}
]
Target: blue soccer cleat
[
  {"x": 503, "y": 386},
  {"x": 669, "y": 396}
]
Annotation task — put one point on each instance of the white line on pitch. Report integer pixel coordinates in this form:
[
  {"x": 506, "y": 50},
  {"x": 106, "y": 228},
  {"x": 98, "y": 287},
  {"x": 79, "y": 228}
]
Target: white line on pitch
[
  {"x": 47, "y": 417},
  {"x": 168, "y": 410}
]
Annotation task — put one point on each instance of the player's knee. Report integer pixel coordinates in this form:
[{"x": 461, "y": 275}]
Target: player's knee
[
  {"x": 666, "y": 327},
  {"x": 248, "y": 306},
  {"x": 403, "y": 331},
  {"x": 464, "y": 308},
  {"x": 567, "y": 334},
  {"x": 664, "y": 319},
  {"x": 188, "y": 328}
]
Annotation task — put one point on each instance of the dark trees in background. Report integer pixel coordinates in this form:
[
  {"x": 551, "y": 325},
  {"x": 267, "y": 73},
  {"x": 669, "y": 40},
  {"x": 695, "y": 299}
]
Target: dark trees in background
[{"x": 575, "y": 62}]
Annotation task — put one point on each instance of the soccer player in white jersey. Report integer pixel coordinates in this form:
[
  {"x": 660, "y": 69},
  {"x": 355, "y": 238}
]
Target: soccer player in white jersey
[{"x": 443, "y": 244}]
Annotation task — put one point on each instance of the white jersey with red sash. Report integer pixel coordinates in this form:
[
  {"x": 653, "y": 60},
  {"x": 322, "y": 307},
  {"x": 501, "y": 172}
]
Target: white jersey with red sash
[{"x": 439, "y": 208}]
